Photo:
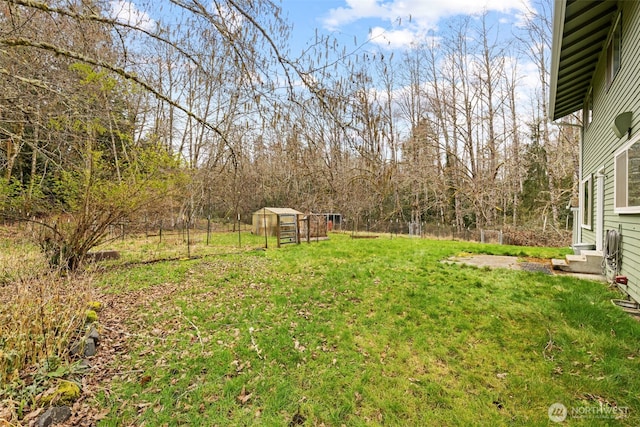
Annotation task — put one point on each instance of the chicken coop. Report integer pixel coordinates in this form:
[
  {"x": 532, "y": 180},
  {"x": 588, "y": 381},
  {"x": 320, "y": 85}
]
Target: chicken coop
[
  {"x": 289, "y": 225},
  {"x": 276, "y": 221}
]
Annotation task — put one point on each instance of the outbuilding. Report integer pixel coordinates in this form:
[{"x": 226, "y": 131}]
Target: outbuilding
[{"x": 267, "y": 220}]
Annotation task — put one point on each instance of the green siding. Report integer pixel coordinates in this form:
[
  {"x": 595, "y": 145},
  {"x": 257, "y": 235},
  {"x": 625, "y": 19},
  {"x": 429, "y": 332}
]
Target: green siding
[{"x": 600, "y": 142}]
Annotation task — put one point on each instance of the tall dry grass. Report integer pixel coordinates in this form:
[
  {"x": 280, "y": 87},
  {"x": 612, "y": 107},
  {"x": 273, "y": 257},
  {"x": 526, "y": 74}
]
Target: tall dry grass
[{"x": 41, "y": 312}]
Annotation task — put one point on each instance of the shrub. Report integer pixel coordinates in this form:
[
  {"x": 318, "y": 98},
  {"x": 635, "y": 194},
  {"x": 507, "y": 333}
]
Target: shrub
[{"x": 39, "y": 317}]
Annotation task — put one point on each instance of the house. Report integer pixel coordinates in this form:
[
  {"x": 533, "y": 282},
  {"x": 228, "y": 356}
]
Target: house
[{"x": 595, "y": 68}]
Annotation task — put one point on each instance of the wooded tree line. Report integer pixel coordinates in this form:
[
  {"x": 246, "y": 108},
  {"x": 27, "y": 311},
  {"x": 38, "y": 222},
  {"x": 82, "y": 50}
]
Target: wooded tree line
[{"x": 185, "y": 109}]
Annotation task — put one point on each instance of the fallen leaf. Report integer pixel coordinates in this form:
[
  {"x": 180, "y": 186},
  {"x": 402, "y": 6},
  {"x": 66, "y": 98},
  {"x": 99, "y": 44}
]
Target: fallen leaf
[
  {"x": 244, "y": 397},
  {"x": 102, "y": 414},
  {"x": 5, "y": 416},
  {"x": 144, "y": 380},
  {"x": 298, "y": 346}
]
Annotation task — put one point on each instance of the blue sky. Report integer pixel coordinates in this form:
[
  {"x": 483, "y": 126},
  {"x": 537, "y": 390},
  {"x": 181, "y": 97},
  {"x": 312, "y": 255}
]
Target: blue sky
[
  {"x": 387, "y": 24},
  {"x": 391, "y": 24}
]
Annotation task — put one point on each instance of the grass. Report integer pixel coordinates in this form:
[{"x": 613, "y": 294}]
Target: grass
[
  {"x": 172, "y": 245},
  {"x": 367, "y": 332}
]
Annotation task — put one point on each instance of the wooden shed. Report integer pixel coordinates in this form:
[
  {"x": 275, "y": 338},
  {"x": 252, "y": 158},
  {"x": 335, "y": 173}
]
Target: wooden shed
[{"x": 267, "y": 219}]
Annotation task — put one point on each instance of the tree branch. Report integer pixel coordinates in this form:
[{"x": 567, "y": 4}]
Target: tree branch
[{"x": 22, "y": 41}]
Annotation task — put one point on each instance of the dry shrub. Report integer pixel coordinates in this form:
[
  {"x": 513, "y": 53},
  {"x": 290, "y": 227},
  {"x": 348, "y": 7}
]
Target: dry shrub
[
  {"x": 41, "y": 313},
  {"x": 20, "y": 259},
  {"x": 39, "y": 318},
  {"x": 536, "y": 237}
]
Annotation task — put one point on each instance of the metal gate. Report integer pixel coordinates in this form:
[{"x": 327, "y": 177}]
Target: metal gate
[{"x": 287, "y": 229}]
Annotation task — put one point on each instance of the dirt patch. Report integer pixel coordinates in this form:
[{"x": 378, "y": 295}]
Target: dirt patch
[
  {"x": 491, "y": 261},
  {"x": 515, "y": 263},
  {"x": 534, "y": 265}
]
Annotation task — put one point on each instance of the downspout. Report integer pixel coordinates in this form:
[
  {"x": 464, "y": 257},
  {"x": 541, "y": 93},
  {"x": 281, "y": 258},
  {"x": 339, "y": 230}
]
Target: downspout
[{"x": 600, "y": 208}]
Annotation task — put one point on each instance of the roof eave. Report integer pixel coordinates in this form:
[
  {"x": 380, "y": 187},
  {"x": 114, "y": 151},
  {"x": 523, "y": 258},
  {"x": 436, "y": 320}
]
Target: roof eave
[{"x": 560, "y": 8}]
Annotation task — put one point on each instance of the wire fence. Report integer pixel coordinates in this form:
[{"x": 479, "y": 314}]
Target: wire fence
[
  {"x": 168, "y": 228},
  {"x": 508, "y": 235}
]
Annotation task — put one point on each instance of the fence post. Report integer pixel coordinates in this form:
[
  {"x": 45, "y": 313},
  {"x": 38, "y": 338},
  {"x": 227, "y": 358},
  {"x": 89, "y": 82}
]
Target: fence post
[
  {"x": 188, "y": 242},
  {"x": 278, "y": 229},
  {"x": 264, "y": 221},
  {"x": 208, "y": 228}
]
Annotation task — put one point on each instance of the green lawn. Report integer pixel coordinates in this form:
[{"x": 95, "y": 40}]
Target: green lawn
[{"x": 368, "y": 332}]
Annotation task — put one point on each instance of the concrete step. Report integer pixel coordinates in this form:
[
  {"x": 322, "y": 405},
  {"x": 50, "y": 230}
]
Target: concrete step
[
  {"x": 576, "y": 258},
  {"x": 588, "y": 262},
  {"x": 560, "y": 264},
  {"x": 593, "y": 255}
]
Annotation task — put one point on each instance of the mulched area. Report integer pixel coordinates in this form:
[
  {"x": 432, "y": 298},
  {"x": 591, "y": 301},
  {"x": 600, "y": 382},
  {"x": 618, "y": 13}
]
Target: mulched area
[
  {"x": 104, "y": 365},
  {"x": 116, "y": 339},
  {"x": 535, "y": 267}
]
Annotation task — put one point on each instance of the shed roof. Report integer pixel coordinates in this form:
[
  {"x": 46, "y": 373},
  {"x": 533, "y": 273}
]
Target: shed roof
[
  {"x": 580, "y": 29},
  {"x": 280, "y": 211}
]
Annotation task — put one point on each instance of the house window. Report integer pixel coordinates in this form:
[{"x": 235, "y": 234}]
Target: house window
[
  {"x": 627, "y": 178},
  {"x": 614, "y": 49},
  {"x": 587, "y": 202},
  {"x": 588, "y": 109}
]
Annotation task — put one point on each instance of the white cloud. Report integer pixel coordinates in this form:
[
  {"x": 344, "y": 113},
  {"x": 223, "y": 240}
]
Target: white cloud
[
  {"x": 355, "y": 10},
  {"x": 128, "y": 13},
  {"x": 416, "y": 17},
  {"x": 391, "y": 39}
]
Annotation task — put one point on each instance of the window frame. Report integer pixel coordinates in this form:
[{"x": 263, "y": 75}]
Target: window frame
[
  {"x": 586, "y": 203},
  {"x": 614, "y": 51},
  {"x": 620, "y": 164},
  {"x": 588, "y": 109}
]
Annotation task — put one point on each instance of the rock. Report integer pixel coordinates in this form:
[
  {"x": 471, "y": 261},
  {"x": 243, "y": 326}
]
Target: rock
[
  {"x": 84, "y": 348},
  {"x": 89, "y": 347},
  {"x": 94, "y": 305},
  {"x": 54, "y": 415},
  {"x": 94, "y": 335},
  {"x": 65, "y": 393},
  {"x": 102, "y": 255},
  {"x": 91, "y": 316},
  {"x": 75, "y": 348}
]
